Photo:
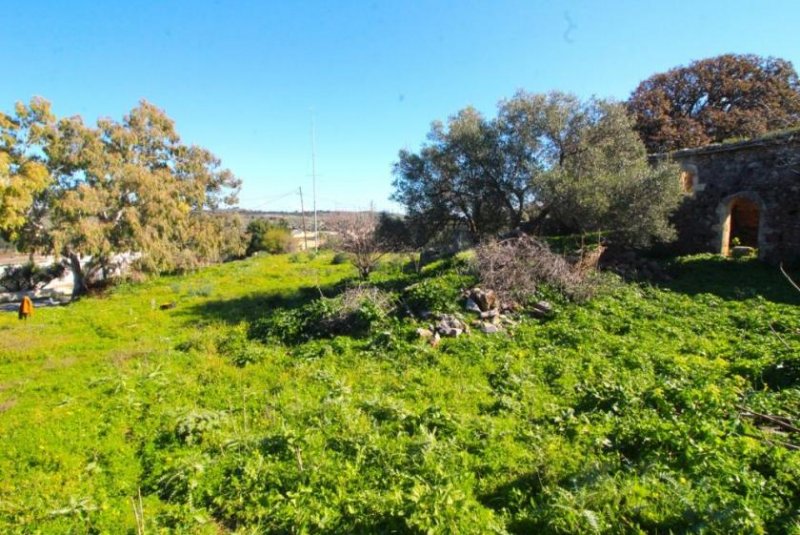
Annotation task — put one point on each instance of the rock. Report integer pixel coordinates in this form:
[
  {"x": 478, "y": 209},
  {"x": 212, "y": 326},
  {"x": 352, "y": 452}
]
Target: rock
[
  {"x": 486, "y": 300},
  {"x": 542, "y": 309},
  {"x": 451, "y": 326},
  {"x": 741, "y": 251},
  {"x": 424, "y": 333},
  {"x": 489, "y": 314},
  {"x": 472, "y": 306},
  {"x": 435, "y": 339},
  {"x": 167, "y": 306},
  {"x": 490, "y": 328}
]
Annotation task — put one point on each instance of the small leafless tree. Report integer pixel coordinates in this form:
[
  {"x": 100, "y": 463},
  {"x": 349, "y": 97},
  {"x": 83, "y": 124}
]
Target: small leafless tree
[{"x": 357, "y": 238}]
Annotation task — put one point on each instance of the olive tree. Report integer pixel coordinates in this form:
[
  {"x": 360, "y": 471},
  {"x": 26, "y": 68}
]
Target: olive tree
[{"x": 545, "y": 159}]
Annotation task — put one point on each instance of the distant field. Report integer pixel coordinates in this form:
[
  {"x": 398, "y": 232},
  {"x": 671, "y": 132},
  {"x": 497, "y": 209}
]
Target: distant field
[{"x": 623, "y": 415}]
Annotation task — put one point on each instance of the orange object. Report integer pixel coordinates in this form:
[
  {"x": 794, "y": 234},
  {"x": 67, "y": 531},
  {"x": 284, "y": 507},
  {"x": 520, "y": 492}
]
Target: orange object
[{"x": 25, "y": 308}]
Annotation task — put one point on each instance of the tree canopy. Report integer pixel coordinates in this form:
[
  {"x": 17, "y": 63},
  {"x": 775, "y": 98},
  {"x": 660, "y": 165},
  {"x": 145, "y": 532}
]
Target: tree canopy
[
  {"x": 545, "y": 158},
  {"x": 714, "y": 99},
  {"x": 128, "y": 186},
  {"x": 23, "y": 175}
]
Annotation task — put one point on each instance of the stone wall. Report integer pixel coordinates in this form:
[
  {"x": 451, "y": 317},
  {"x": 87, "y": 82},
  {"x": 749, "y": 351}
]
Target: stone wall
[{"x": 761, "y": 175}]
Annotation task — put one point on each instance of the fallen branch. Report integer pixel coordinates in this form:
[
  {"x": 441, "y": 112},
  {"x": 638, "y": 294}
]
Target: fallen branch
[
  {"x": 796, "y": 287},
  {"x": 781, "y": 421}
]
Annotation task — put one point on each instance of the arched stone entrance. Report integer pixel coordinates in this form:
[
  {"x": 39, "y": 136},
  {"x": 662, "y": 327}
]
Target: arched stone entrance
[{"x": 741, "y": 221}]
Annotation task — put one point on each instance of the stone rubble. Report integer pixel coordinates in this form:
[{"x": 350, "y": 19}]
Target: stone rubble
[{"x": 491, "y": 316}]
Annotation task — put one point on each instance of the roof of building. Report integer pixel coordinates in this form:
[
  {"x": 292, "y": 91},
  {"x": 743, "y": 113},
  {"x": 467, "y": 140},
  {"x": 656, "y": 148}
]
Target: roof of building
[{"x": 777, "y": 137}]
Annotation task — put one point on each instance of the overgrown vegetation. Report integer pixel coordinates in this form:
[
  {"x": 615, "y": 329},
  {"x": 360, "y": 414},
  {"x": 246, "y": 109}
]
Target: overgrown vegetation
[
  {"x": 636, "y": 411},
  {"x": 270, "y": 237},
  {"x": 515, "y": 268},
  {"x": 29, "y": 276},
  {"x": 548, "y": 163}
]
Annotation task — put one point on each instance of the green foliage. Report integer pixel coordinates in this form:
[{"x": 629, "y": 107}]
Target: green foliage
[
  {"x": 78, "y": 191},
  {"x": 269, "y": 236},
  {"x": 23, "y": 176},
  {"x": 237, "y": 347},
  {"x": 438, "y": 294},
  {"x": 547, "y": 161},
  {"x": 620, "y": 415},
  {"x": 339, "y": 258},
  {"x": 29, "y": 276},
  {"x": 357, "y": 311},
  {"x": 191, "y": 426}
]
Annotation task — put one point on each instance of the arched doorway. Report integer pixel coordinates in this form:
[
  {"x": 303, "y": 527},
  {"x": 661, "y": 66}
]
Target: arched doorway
[{"x": 741, "y": 223}]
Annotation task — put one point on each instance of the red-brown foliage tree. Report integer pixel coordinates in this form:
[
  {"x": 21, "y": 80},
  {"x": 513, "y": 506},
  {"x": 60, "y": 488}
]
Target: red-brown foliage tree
[{"x": 715, "y": 99}]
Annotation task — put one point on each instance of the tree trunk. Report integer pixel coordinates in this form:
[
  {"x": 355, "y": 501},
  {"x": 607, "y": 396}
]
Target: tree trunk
[{"x": 78, "y": 276}]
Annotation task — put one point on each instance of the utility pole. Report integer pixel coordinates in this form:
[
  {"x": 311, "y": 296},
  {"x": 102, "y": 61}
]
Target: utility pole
[
  {"x": 314, "y": 183},
  {"x": 303, "y": 215}
]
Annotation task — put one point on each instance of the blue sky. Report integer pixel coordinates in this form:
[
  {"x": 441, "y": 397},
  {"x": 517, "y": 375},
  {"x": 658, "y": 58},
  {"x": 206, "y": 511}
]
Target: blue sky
[{"x": 242, "y": 78}]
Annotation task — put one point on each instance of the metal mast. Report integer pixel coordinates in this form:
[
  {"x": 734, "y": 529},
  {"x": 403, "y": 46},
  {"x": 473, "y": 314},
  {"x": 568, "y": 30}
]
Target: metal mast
[
  {"x": 314, "y": 183},
  {"x": 303, "y": 215}
]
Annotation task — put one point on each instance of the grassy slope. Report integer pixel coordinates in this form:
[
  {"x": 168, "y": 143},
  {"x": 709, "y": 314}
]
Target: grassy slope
[{"x": 619, "y": 415}]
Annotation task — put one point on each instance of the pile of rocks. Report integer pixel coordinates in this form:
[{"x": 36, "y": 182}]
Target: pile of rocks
[
  {"x": 448, "y": 325},
  {"x": 493, "y": 316}
]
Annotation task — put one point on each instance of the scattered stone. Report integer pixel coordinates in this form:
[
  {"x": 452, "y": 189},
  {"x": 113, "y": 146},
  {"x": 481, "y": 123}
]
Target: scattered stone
[
  {"x": 542, "y": 309},
  {"x": 512, "y": 307},
  {"x": 424, "y": 333},
  {"x": 741, "y": 251},
  {"x": 486, "y": 300},
  {"x": 490, "y": 328},
  {"x": 435, "y": 339},
  {"x": 472, "y": 306},
  {"x": 450, "y": 326},
  {"x": 490, "y": 314}
]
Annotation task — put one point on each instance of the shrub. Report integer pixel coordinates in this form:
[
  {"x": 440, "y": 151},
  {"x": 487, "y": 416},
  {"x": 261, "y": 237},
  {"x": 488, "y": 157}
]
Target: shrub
[
  {"x": 438, "y": 294},
  {"x": 192, "y": 426},
  {"x": 515, "y": 268},
  {"x": 29, "y": 276},
  {"x": 235, "y": 346},
  {"x": 355, "y": 312},
  {"x": 268, "y": 236},
  {"x": 339, "y": 259}
]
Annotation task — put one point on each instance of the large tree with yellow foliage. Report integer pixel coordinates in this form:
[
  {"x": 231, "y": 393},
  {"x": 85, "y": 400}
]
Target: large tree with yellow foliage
[
  {"x": 23, "y": 175},
  {"x": 129, "y": 187}
]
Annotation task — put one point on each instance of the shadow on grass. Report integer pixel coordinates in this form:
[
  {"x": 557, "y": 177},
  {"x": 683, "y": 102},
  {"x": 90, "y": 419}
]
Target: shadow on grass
[
  {"x": 732, "y": 279},
  {"x": 255, "y": 306}
]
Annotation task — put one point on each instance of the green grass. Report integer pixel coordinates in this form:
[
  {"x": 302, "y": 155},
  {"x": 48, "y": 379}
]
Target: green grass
[{"x": 619, "y": 415}]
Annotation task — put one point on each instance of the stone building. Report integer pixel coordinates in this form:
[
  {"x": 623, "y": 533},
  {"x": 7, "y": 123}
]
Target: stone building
[{"x": 745, "y": 193}]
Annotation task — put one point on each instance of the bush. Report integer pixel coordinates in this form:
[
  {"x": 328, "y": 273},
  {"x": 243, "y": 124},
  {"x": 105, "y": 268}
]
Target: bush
[
  {"x": 29, "y": 276},
  {"x": 438, "y": 294},
  {"x": 238, "y": 349},
  {"x": 357, "y": 311},
  {"x": 339, "y": 259},
  {"x": 271, "y": 237},
  {"x": 515, "y": 268}
]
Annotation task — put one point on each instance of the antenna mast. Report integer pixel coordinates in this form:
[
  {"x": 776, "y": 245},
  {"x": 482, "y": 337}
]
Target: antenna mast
[
  {"x": 314, "y": 182},
  {"x": 303, "y": 215}
]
